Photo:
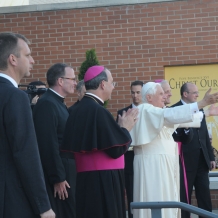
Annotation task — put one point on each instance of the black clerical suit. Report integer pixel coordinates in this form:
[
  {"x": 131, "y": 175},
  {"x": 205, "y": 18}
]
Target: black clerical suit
[
  {"x": 128, "y": 170},
  {"x": 71, "y": 107},
  {"x": 99, "y": 190},
  {"x": 22, "y": 186},
  {"x": 50, "y": 115},
  {"x": 197, "y": 157}
]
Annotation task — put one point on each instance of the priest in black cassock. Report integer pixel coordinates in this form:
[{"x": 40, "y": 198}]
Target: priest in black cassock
[
  {"x": 98, "y": 144},
  {"x": 50, "y": 115}
]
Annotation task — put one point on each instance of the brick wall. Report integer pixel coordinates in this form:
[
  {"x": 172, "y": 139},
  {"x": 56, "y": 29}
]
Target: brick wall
[
  {"x": 214, "y": 198},
  {"x": 133, "y": 41}
]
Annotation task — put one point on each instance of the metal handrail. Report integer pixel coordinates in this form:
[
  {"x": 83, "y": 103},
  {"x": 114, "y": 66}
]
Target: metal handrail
[
  {"x": 157, "y": 206},
  {"x": 213, "y": 174}
]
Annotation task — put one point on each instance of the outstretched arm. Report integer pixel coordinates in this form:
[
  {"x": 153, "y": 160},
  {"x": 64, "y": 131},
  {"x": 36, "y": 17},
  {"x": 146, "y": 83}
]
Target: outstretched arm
[{"x": 208, "y": 99}]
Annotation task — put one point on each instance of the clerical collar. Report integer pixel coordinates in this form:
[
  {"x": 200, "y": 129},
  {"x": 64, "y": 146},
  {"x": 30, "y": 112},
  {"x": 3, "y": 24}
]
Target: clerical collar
[
  {"x": 56, "y": 93},
  {"x": 10, "y": 79},
  {"x": 88, "y": 93}
]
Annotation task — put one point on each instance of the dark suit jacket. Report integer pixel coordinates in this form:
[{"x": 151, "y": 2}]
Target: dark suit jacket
[
  {"x": 71, "y": 107},
  {"x": 128, "y": 156},
  {"x": 200, "y": 140},
  {"x": 22, "y": 187},
  {"x": 120, "y": 112},
  {"x": 180, "y": 136}
]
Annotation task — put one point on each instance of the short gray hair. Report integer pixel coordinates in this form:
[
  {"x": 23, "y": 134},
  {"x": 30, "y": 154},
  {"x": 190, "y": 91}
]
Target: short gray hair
[
  {"x": 79, "y": 85},
  {"x": 54, "y": 72},
  {"x": 149, "y": 88},
  {"x": 163, "y": 82}
]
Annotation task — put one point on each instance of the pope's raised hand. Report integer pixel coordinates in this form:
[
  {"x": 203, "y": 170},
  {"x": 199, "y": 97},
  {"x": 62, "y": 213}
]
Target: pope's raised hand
[{"x": 208, "y": 99}]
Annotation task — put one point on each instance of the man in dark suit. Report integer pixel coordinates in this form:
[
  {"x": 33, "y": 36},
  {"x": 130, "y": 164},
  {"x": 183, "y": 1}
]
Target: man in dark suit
[
  {"x": 22, "y": 187},
  {"x": 50, "y": 115},
  {"x": 136, "y": 88},
  {"x": 198, "y": 156}
]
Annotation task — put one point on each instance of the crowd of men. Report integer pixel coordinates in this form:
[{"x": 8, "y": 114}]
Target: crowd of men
[{"x": 77, "y": 162}]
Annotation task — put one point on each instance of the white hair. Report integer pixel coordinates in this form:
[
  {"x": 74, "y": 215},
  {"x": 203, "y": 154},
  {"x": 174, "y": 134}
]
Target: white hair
[
  {"x": 149, "y": 88},
  {"x": 163, "y": 82}
]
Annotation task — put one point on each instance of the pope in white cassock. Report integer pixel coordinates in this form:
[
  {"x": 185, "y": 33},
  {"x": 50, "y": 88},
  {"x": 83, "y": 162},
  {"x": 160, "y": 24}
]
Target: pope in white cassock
[{"x": 156, "y": 161}]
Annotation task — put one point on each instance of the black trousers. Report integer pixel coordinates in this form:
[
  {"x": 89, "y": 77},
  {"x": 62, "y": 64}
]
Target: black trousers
[
  {"x": 129, "y": 191},
  {"x": 128, "y": 172},
  {"x": 199, "y": 179}
]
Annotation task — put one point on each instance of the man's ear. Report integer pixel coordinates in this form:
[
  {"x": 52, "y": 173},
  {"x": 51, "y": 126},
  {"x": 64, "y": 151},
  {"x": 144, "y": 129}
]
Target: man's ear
[
  {"x": 60, "y": 81},
  {"x": 148, "y": 97},
  {"x": 12, "y": 60},
  {"x": 102, "y": 85},
  {"x": 185, "y": 94}
]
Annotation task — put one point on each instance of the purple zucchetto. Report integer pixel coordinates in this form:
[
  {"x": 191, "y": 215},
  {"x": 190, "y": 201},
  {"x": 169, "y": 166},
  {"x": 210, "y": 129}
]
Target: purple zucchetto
[{"x": 92, "y": 72}]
